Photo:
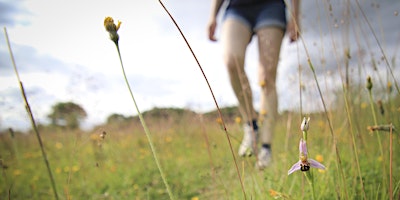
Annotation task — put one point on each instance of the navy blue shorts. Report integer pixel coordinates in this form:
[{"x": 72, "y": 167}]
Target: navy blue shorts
[{"x": 260, "y": 15}]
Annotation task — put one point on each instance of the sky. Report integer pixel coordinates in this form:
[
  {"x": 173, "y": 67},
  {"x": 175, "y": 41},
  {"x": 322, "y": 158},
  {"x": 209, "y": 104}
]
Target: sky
[{"x": 63, "y": 53}]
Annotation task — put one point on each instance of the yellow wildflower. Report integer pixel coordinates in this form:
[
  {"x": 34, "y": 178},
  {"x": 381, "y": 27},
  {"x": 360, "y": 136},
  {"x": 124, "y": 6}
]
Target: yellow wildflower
[
  {"x": 263, "y": 112},
  {"x": 319, "y": 158},
  {"x": 273, "y": 193},
  {"x": 59, "y": 145},
  {"x": 389, "y": 87},
  {"x": 262, "y": 83},
  {"x": 219, "y": 120},
  {"x": 364, "y": 105},
  {"x": 17, "y": 172},
  {"x": 112, "y": 29},
  {"x": 75, "y": 168},
  {"x": 238, "y": 120}
]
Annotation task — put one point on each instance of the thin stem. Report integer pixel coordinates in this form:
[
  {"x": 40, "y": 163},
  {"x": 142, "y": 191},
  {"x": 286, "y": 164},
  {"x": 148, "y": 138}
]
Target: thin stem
[
  {"x": 391, "y": 164},
  {"x": 371, "y": 101},
  {"x": 353, "y": 140},
  {"x": 212, "y": 93},
  {"x": 146, "y": 130},
  {"x": 32, "y": 119},
  {"x": 310, "y": 180}
]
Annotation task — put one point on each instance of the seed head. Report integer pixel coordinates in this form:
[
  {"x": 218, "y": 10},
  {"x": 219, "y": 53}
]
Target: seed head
[{"x": 369, "y": 83}]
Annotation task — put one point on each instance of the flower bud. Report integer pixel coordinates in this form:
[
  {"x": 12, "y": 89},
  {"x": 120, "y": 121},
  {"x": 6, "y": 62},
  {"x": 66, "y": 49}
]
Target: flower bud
[
  {"x": 369, "y": 83},
  {"x": 305, "y": 124},
  {"x": 112, "y": 29}
]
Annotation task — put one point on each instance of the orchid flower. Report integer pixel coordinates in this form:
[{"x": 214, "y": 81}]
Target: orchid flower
[{"x": 304, "y": 163}]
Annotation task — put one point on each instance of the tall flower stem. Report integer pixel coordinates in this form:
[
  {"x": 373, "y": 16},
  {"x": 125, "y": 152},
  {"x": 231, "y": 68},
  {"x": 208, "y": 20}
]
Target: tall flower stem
[
  {"x": 146, "y": 130},
  {"x": 32, "y": 119},
  {"x": 307, "y": 174},
  {"x": 212, "y": 94}
]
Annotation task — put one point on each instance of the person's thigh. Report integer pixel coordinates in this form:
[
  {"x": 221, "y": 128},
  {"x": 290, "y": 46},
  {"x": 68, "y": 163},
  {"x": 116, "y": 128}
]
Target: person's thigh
[
  {"x": 269, "y": 44},
  {"x": 235, "y": 37}
]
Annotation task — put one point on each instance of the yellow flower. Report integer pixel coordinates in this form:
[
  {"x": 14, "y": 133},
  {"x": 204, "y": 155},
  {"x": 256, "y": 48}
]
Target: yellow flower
[
  {"x": 389, "y": 87},
  {"x": 75, "y": 168},
  {"x": 59, "y": 145},
  {"x": 17, "y": 172},
  {"x": 364, "y": 105},
  {"x": 380, "y": 158},
  {"x": 168, "y": 139},
  {"x": 319, "y": 158},
  {"x": 194, "y": 198},
  {"x": 263, "y": 112},
  {"x": 262, "y": 83},
  {"x": 273, "y": 193},
  {"x": 112, "y": 29},
  {"x": 238, "y": 120},
  {"x": 219, "y": 120}
]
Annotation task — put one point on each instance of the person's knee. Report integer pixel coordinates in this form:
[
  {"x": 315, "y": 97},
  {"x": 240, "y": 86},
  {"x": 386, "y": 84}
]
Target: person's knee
[
  {"x": 267, "y": 78},
  {"x": 234, "y": 62}
]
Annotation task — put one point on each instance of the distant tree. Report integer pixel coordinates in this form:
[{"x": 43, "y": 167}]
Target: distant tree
[
  {"x": 116, "y": 118},
  {"x": 67, "y": 114}
]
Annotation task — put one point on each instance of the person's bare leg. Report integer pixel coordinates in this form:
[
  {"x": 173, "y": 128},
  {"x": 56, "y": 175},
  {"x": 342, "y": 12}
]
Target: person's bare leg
[
  {"x": 269, "y": 44},
  {"x": 235, "y": 38}
]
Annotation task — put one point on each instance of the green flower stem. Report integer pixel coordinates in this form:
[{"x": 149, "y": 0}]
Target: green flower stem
[
  {"x": 310, "y": 179},
  {"x": 371, "y": 101},
  {"x": 305, "y": 136},
  {"x": 146, "y": 130},
  {"x": 32, "y": 119},
  {"x": 308, "y": 175}
]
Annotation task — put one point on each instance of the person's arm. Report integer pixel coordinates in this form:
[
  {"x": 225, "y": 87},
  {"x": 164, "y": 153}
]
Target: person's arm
[
  {"x": 293, "y": 27},
  {"x": 212, "y": 23}
]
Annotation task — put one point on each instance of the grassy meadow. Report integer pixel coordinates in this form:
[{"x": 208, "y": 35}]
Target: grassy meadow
[{"x": 114, "y": 161}]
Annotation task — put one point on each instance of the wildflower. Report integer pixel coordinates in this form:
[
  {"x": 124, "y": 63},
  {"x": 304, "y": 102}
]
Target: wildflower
[
  {"x": 305, "y": 124},
  {"x": 103, "y": 135},
  {"x": 263, "y": 112},
  {"x": 369, "y": 83},
  {"x": 219, "y": 120},
  {"x": 380, "y": 106},
  {"x": 273, "y": 193},
  {"x": 59, "y": 145},
  {"x": 319, "y": 158},
  {"x": 389, "y": 87},
  {"x": 238, "y": 120},
  {"x": 262, "y": 83},
  {"x": 304, "y": 163},
  {"x": 75, "y": 168},
  {"x": 112, "y": 29},
  {"x": 364, "y": 105}
]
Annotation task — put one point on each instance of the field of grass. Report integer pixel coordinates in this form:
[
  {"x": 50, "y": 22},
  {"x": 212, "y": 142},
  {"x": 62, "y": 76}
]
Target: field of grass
[{"x": 114, "y": 161}]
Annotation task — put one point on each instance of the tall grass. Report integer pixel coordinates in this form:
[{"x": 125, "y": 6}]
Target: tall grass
[
  {"x": 32, "y": 119},
  {"x": 120, "y": 165}
]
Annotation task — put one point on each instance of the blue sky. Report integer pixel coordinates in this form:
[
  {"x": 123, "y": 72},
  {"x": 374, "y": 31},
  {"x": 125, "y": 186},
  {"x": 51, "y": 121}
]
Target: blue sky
[{"x": 63, "y": 54}]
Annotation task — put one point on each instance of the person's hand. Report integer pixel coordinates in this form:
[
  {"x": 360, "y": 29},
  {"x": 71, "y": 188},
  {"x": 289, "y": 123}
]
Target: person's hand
[
  {"x": 293, "y": 30},
  {"x": 212, "y": 25}
]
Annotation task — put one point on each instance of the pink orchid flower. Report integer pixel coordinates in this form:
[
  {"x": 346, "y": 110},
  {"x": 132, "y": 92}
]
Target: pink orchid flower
[{"x": 304, "y": 163}]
